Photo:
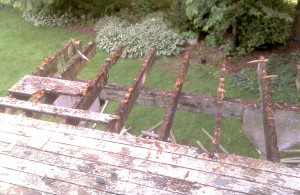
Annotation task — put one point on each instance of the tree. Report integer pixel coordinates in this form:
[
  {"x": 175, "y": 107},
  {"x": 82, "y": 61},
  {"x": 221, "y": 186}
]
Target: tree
[
  {"x": 242, "y": 25},
  {"x": 297, "y": 21}
]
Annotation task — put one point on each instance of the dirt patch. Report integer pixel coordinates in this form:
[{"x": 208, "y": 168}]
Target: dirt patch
[
  {"x": 203, "y": 53},
  {"x": 86, "y": 30}
]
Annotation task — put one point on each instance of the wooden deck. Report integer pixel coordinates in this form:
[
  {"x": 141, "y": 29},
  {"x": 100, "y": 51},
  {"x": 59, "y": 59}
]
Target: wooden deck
[{"x": 39, "y": 157}]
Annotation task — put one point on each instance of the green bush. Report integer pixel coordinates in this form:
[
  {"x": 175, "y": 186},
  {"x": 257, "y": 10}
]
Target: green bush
[
  {"x": 283, "y": 89},
  {"x": 26, "y": 5},
  {"x": 47, "y": 18},
  {"x": 247, "y": 24},
  {"x": 177, "y": 19},
  {"x": 138, "y": 38}
]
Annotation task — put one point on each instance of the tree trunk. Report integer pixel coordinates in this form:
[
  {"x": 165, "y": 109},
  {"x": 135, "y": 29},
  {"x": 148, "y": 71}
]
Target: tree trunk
[{"x": 297, "y": 21}]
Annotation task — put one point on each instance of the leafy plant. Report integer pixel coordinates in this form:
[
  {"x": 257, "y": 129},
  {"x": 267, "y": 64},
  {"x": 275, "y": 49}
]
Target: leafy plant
[
  {"x": 283, "y": 89},
  {"x": 47, "y": 18},
  {"x": 138, "y": 38},
  {"x": 242, "y": 25}
]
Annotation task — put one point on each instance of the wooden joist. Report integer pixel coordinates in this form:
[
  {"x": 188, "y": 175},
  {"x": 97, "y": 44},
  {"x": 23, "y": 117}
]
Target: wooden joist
[
  {"x": 61, "y": 57},
  {"x": 166, "y": 126},
  {"x": 56, "y": 110},
  {"x": 132, "y": 94},
  {"x": 94, "y": 87},
  {"x": 76, "y": 66},
  {"x": 30, "y": 84},
  {"x": 272, "y": 151}
]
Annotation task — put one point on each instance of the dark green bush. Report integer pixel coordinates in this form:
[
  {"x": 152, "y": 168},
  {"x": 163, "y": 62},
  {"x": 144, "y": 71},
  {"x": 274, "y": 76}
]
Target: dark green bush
[
  {"x": 283, "y": 89},
  {"x": 253, "y": 24}
]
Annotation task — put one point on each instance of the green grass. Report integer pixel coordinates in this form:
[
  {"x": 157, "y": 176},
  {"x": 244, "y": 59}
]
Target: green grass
[{"x": 24, "y": 46}]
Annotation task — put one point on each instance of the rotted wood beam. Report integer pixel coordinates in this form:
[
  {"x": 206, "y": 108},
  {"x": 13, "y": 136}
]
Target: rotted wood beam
[
  {"x": 72, "y": 70},
  {"x": 132, "y": 94},
  {"x": 51, "y": 65},
  {"x": 220, "y": 97},
  {"x": 268, "y": 117},
  {"x": 56, "y": 110},
  {"x": 76, "y": 66},
  {"x": 29, "y": 85},
  {"x": 61, "y": 57},
  {"x": 171, "y": 110},
  {"x": 94, "y": 87}
]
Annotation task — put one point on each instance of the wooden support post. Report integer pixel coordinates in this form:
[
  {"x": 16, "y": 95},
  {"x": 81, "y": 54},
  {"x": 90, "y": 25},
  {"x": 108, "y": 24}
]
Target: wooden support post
[
  {"x": 95, "y": 86},
  {"x": 268, "y": 118},
  {"x": 132, "y": 94},
  {"x": 165, "y": 129},
  {"x": 220, "y": 97}
]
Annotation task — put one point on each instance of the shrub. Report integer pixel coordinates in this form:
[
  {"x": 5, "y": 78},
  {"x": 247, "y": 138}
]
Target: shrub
[
  {"x": 46, "y": 18},
  {"x": 283, "y": 89},
  {"x": 138, "y": 38},
  {"x": 243, "y": 25}
]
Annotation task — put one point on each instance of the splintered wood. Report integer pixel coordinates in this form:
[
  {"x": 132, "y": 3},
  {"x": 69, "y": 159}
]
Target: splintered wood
[
  {"x": 268, "y": 117},
  {"x": 95, "y": 86},
  {"x": 72, "y": 160},
  {"x": 220, "y": 97},
  {"x": 166, "y": 126},
  {"x": 132, "y": 94}
]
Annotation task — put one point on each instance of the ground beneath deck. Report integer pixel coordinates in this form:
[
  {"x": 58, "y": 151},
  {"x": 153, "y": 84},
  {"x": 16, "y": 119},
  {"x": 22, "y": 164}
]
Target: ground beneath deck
[{"x": 38, "y": 157}]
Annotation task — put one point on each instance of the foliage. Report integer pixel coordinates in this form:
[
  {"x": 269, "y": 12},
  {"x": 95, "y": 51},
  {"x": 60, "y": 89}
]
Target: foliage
[
  {"x": 26, "y": 5},
  {"x": 258, "y": 23},
  {"x": 177, "y": 19},
  {"x": 283, "y": 89},
  {"x": 47, "y": 18},
  {"x": 138, "y": 38},
  {"x": 144, "y": 7}
]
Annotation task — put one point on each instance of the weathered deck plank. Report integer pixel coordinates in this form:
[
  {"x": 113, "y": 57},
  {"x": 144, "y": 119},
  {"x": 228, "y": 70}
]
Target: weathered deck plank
[
  {"x": 57, "y": 110},
  {"x": 30, "y": 84},
  {"x": 148, "y": 158},
  {"x": 149, "y": 145}
]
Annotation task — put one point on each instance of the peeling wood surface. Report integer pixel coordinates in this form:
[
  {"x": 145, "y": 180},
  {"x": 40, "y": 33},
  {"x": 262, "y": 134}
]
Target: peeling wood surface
[
  {"x": 192, "y": 102},
  {"x": 220, "y": 97},
  {"x": 95, "y": 85},
  {"x": 57, "y": 110},
  {"x": 170, "y": 113},
  {"x": 61, "y": 57},
  {"x": 76, "y": 66},
  {"x": 30, "y": 84},
  {"x": 132, "y": 94},
  {"x": 272, "y": 151},
  {"x": 73, "y": 157}
]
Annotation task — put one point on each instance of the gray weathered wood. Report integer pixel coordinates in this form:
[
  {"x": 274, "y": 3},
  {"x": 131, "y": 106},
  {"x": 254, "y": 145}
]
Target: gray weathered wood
[
  {"x": 95, "y": 86},
  {"x": 272, "y": 151},
  {"x": 30, "y": 84},
  {"x": 57, "y": 111},
  {"x": 132, "y": 94},
  {"x": 191, "y": 102},
  {"x": 231, "y": 172}
]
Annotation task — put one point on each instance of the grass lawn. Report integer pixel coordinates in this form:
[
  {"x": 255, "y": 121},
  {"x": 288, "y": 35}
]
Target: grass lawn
[{"x": 24, "y": 46}]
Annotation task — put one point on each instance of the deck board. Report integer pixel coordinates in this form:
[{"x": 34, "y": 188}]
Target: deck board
[{"x": 74, "y": 156}]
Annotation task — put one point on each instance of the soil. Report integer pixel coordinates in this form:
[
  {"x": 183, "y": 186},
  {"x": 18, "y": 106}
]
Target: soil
[
  {"x": 86, "y": 30},
  {"x": 236, "y": 65}
]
